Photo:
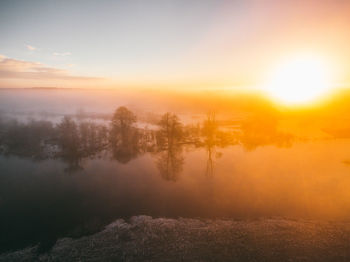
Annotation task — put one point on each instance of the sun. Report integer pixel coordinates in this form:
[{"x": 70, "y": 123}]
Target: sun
[{"x": 299, "y": 80}]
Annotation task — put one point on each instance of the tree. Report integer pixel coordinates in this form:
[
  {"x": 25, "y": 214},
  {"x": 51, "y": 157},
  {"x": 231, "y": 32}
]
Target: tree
[
  {"x": 169, "y": 136},
  {"x": 124, "y": 135},
  {"x": 170, "y": 131},
  {"x": 28, "y": 140},
  {"x": 122, "y": 123},
  {"x": 69, "y": 140}
]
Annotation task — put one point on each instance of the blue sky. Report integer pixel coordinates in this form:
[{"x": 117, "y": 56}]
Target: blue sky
[{"x": 119, "y": 35}]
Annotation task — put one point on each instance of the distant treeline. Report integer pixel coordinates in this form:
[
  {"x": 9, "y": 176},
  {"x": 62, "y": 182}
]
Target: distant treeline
[{"x": 121, "y": 139}]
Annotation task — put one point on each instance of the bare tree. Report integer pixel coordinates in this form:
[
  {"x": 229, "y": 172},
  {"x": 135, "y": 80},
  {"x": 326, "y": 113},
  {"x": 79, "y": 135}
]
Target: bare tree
[
  {"x": 170, "y": 131},
  {"x": 124, "y": 135}
]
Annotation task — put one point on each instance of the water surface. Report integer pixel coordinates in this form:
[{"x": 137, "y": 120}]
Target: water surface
[{"x": 41, "y": 200}]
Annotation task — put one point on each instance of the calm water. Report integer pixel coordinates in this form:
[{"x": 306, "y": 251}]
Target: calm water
[
  {"x": 69, "y": 177},
  {"x": 45, "y": 199}
]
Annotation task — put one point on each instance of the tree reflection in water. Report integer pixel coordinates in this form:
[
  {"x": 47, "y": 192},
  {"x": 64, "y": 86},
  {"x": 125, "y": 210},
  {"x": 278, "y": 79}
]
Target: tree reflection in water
[
  {"x": 170, "y": 163},
  {"x": 170, "y": 159},
  {"x": 124, "y": 136},
  {"x": 73, "y": 141},
  {"x": 209, "y": 133}
]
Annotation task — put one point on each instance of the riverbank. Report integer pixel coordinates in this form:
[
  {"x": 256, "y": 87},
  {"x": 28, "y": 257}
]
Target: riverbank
[{"x": 143, "y": 238}]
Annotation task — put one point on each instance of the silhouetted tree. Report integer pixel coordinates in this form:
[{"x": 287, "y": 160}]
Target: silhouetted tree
[
  {"x": 93, "y": 138},
  {"x": 170, "y": 131},
  {"x": 124, "y": 135},
  {"x": 27, "y": 139},
  {"x": 169, "y": 137},
  {"x": 70, "y": 144},
  {"x": 122, "y": 121},
  {"x": 68, "y": 136}
]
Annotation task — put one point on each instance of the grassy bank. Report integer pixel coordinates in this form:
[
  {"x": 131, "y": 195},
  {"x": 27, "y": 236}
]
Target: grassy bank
[{"x": 146, "y": 239}]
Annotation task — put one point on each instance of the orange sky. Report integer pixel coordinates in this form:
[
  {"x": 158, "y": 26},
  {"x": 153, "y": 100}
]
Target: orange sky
[{"x": 168, "y": 44}]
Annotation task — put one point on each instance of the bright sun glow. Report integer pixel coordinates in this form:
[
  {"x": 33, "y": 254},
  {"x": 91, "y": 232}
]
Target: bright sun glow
[{"x": 299, "y": 80}]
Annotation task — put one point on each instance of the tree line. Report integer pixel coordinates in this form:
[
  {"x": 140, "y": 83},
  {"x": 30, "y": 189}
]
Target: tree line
[{"x": 123, "y": 140}]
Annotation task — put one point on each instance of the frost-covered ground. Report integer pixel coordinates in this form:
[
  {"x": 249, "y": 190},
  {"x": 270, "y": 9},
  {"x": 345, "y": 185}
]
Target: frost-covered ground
[{"x": 146, "y": 239}]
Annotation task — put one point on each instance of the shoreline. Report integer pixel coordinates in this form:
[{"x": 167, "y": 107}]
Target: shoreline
[{"x": 144, "y": 238}]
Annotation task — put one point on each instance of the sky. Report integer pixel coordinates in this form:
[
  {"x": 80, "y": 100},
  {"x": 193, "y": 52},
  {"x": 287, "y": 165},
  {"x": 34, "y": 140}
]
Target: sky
[{"x": 168, "y": 44}]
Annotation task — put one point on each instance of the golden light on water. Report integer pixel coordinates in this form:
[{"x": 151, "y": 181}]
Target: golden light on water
[{"x": 299, "y": 80}]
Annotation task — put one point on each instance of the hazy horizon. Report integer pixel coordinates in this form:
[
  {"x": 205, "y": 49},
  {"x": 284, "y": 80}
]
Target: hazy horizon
[{"x": 167, "y": 44}]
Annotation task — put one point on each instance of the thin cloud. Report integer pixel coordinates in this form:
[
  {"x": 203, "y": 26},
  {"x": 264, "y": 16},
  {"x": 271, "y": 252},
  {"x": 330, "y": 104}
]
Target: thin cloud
[
  {"x": 19, "y": 69},
  {"x": 30, "y": 47},
  {"x": 62, "y": 54}
]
